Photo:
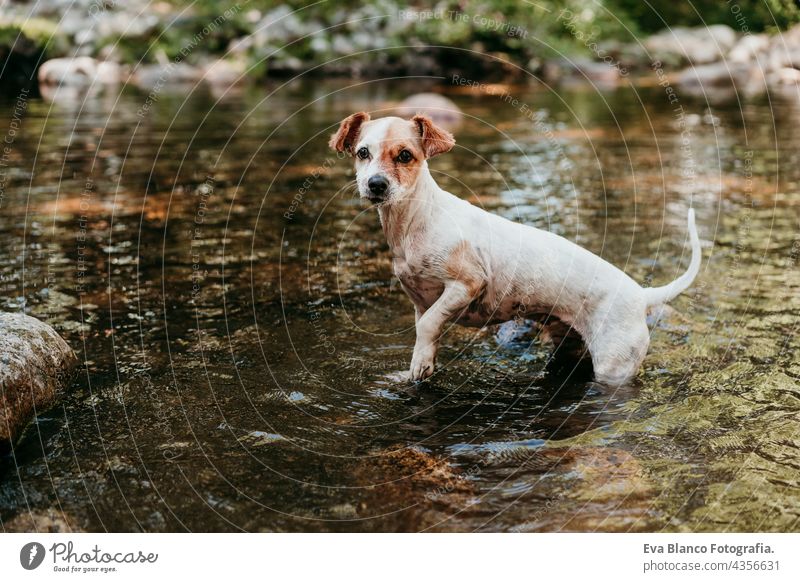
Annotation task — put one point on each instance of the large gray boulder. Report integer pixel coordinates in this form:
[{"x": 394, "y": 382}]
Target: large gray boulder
[
  {"x": 74, "y": 79},
  {"x": 78, "y": 72},
  {"x": 697, "y": 46},
  {"x": 749, "y": 49},
  {"x": 36, "y": 366},
  {"x": 755, "y": 64}
]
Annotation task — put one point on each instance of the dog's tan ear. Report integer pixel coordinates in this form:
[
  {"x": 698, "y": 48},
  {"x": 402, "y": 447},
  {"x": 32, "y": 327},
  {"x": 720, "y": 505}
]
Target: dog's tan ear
[
  {"x": 345, "y": 139},
  {"x": 435, "y": 140}
]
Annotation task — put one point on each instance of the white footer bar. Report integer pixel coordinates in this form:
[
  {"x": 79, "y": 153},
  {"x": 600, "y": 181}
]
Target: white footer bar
[{"x": 401, "y": 557}]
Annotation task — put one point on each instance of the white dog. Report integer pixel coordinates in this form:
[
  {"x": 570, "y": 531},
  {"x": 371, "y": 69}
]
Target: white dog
[{"x": 460, "y": 263}]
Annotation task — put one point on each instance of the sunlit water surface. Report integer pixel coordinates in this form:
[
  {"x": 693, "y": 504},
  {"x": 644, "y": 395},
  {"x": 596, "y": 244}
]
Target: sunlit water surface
[{"x": 241, "y": 335}]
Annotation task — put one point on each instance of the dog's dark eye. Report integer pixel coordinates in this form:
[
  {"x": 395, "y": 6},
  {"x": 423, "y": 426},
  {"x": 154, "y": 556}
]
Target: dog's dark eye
[
  {"x": 363, "y": 153},
  {"x": 404, "y": 157}
]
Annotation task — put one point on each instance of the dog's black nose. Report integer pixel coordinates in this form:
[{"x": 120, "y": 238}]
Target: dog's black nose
[{"x": 378, "y": 185}]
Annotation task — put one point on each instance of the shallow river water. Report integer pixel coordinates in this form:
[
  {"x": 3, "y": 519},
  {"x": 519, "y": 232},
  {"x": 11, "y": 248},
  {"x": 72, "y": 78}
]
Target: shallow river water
[{"x": 241, "y": 336}]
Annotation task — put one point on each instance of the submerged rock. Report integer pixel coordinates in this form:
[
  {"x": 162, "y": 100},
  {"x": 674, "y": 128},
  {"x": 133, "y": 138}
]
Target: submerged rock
[
  {"x": 38, "y": 521},
  {"x": 36, "y": 365},
  {"x": 418, "y": 488},
  {"x": 606, "y": 489}
]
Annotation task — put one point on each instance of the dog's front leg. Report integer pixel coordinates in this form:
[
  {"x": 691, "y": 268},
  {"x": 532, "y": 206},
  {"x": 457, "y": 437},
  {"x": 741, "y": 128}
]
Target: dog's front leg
[{"x": 455, "y": 297}]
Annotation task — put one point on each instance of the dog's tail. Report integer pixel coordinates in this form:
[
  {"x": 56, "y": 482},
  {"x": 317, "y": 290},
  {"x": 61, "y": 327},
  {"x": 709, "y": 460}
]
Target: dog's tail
[{"x": 660, "y": 295}]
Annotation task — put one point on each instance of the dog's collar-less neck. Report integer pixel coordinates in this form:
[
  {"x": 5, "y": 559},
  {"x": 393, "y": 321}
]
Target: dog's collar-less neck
[{"x": 400, "y": 220}]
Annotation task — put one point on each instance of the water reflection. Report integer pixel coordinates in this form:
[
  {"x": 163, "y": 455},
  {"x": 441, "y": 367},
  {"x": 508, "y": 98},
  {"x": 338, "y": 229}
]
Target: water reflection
[{"x": 242, "y": 337}]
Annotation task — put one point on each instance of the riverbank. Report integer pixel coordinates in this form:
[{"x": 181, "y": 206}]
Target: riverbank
[
  {"x": 237, "y": 363},
  {"x": 106, "y": 42}
]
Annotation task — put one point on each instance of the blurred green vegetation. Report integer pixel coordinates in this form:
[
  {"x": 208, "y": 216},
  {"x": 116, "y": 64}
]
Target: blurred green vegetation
[
  {"x": 24, "y": 44},
  {"x": 756, "y": 15},
  {"x": 551, "y": 27},
  {"x": 30, "y": 35},
  {"x": 272, "y": 36}
]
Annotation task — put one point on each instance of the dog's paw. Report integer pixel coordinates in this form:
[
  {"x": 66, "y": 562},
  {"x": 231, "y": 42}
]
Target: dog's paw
[{"x": 421, "y": 368}]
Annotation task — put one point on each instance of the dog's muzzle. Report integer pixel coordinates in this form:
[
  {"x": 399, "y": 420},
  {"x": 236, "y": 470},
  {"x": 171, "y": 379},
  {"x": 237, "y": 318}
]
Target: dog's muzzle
[{"x": 378, "y": 188}]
